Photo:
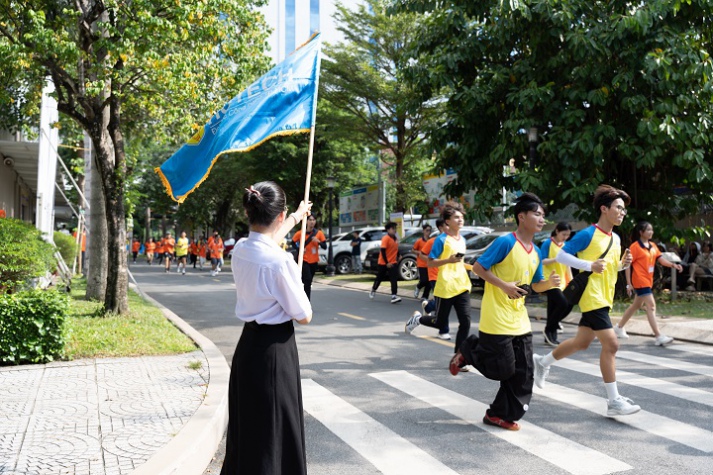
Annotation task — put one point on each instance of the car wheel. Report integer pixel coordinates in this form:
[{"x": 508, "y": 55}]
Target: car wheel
[
  {"x": 408, "y": 269},
  {"x": 343, "y": 264}
]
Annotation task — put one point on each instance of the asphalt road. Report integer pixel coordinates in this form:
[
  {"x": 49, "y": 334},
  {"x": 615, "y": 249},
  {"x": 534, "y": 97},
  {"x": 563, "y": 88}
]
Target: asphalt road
[{"x": 380, "y": 401}]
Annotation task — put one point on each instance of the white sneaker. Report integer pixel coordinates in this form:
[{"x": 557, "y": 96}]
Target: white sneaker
[
  {"x": 541, "y": 371},
  {"x": 444, "y": 336},
  {"x": 371, "y": 294},
  {"x": 395, "y": 299},
  {"x": 621, "y": 406},
  {"x": 560, "y": 328},
  {"x": 424, "y": 304},
  {"x": 413, "y": 322},
  {"x": 621, "y": 332},
  {"x": 184, "y": 272},
  {"x": 662, "y": 340},
  {"x": 415, "y": 292},
  {"x": 212, "y": 273}
]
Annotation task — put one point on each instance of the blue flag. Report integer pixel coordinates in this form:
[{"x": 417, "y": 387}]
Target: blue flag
[{"x": 281, "y": 102}]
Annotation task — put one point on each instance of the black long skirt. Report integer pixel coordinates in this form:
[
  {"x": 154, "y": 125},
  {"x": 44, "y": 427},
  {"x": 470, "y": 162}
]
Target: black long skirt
[{"x": 266, "y": 421}]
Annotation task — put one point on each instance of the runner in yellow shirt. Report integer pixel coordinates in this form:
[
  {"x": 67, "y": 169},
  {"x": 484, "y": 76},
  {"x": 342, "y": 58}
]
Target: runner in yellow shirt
[{"x": 181, "y": 253}]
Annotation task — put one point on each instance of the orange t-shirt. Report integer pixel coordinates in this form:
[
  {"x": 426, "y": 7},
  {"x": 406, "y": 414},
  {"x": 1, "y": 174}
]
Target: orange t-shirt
[
  {"x": 216, "y": 248},
  {"x": 418, "y": 246},
  {"x": 135, "y": 246},
  {"x": 432, "y": 271},
  {"x": 201, "y": 250},
  {"x": 84, "y": 240},
  {"x": 150, "y": 247},
  {"x": 643, "y": 263},
  {"x": 168, "y": 245},
  {"x": 392, "y": 250},
  {"x": 160, "y": 246},
  {"x": 311, "y": 255},
  {"x": 193, "y": 248}
]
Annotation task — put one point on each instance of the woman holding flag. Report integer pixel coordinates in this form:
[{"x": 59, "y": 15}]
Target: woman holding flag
[{"x": 266, "y": 420}]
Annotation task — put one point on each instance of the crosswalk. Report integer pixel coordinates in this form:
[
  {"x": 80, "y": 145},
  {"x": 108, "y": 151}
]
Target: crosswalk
[{"x": 689, "y": 440}]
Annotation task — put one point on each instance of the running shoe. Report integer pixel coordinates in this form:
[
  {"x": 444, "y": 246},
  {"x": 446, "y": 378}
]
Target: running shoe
[
  {"x": 498, "y": 422},
  {"x": 550, "y": 338},
  {"x": 621, "y": 406},
  {"x": 560, "y": 328},
  {"x": 371, "y": 294},
  {"x": 415, "y": 292},
  {"x": 541, "y": 371},
  {"x": 413, "y": 322},
  {"x": 457, "y": 362},
  {"x": 621, "y": 332},
  {"x": 662, "y": 340},
  {"x": 395, "y": 299},
  {"x": 444, "y": 336}
]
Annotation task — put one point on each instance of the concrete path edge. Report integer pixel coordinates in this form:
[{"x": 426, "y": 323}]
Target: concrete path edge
[{"x": 192, "y": 449}]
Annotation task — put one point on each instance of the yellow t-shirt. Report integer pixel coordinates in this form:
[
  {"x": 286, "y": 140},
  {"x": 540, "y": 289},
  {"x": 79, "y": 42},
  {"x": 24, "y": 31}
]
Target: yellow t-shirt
[
  {"x": 182, "y": 247},
  {"x": 511, "y": 261},
  {"x": 452, "y": 278},
  {"x": 589, "y": 244},
  {"x": 549, "y": 250}
]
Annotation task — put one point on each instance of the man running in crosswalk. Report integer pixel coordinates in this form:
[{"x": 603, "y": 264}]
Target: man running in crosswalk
[
  {"x": 503, "y": 349},
  {"x": 585, "y": 252}
]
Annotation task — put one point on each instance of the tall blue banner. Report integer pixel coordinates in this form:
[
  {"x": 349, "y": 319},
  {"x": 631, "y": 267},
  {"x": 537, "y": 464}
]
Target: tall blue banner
[{"x": 281, "y": 102}]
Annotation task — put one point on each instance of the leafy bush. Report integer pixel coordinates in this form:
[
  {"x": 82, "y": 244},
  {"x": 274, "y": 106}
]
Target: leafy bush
[
  {"x": 23, "y": 253},
  {"x": 67, "y": 246},
  {"x": 31, "y": 326}
]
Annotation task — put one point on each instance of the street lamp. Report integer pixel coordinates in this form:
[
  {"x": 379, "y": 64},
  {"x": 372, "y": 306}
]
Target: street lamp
[
  {"x": 331, "y": 181},
  {"x": 532, "y": 138}
]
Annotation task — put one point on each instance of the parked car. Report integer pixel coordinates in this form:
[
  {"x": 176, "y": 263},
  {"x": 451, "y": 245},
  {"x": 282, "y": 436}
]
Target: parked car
[
  {"x": 342, "y": 249},
  {"x": 407, "y": 258}
]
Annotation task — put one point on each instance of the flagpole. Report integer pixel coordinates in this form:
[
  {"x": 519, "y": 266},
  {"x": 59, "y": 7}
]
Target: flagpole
[
  {"x": 306, "y": 197},
  {"x": 309, "y": 155}
]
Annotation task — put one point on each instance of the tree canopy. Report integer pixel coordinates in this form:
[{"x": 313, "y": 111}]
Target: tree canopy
[
  {"x": 123, "y": 69},
  {"x": 620, "y": 93},
  {"x": 364, "y": 77}
]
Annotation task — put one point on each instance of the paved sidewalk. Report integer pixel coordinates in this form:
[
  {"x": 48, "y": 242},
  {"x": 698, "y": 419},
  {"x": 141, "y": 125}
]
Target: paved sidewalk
[
  {"x": 696, "y": 330},
  {"x": 95, "y": 416}
]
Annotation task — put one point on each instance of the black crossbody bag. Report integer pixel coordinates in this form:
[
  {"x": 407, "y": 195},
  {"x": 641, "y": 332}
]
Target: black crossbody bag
[{"x": 574, "y": 290}]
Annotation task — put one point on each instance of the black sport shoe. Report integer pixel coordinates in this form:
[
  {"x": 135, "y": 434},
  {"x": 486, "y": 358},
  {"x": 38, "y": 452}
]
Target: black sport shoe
[{"x": 550, "y": 338}]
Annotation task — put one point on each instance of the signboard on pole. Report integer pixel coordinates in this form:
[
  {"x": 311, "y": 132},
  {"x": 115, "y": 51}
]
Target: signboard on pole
[
  {"x": 359, "y": 206},
  {"x": 434, "y": 184}
]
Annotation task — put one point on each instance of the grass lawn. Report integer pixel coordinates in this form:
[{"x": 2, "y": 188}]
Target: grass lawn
[{"x": 143, "y": 331}]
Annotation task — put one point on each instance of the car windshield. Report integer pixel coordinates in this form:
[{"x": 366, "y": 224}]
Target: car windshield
[{"x": 481, "y": 241}]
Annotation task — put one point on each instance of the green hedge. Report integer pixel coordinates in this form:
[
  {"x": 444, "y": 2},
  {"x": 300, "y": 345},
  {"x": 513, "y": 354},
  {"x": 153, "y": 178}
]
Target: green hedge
[
  {"x": 31, "y": 326},
  {"x": 67, "y": 246},
  {"x": 23, "y": 254}
]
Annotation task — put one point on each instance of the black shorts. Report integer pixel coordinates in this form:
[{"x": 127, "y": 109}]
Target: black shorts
[
  {"x": 640, "y": 292},
  {"x": 596, "y": 319},
  {"x": 168, "y": 255}
]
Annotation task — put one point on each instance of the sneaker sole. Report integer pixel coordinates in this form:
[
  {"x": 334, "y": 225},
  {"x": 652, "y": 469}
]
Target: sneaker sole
[
  {"x": 622, "y": 413},
  {"x": 396, "y": 301}
]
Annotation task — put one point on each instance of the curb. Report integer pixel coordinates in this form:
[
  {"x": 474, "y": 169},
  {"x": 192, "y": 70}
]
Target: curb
[
  {"x": 192, "y": 449},
  {"x": 694, "y": 330}
]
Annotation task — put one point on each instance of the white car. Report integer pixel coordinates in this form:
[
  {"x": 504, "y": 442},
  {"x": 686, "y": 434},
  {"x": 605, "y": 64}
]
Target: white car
[{"x": 342, "y": 249}]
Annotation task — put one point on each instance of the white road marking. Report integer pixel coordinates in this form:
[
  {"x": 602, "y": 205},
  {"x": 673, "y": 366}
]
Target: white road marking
[
  {"x": 555, "y": 449},
  {"x": 666, "y": 362},
  {"x": 390, "y": 453}
]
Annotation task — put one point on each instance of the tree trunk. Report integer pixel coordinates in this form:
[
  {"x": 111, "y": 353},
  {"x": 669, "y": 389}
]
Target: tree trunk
[{"x": 97, "y": 233}]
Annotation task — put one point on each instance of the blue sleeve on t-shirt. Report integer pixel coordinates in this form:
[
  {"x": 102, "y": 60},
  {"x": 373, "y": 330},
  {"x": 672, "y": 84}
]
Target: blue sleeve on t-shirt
[
  {"x": 438, "y": 246},
  {"x": 539, "y": 273},
  {"x": 497, "y": 251},
  {"x": 545, "y": 248},
  {"x": 580, "y": 241}
]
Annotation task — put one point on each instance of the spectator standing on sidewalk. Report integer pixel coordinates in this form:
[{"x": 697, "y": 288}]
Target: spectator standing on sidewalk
[
  {"x": 388, "y": 263},
  {"x": 422, "y": 263},
  {"x": 584, "y": 251},
  {"x": 703, "y": 265},
  {"x": 557, "y": 306},
  {"x": 640, "y": 280},
  {"x": 503, "y": 349},
  {"x": 356, "y": 252},
  {"x": 266, "y": 419},
  {"x": 314, "y": 239}
]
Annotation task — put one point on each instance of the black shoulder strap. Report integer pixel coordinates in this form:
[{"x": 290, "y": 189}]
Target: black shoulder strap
[{"x": 608, "y": 247}]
